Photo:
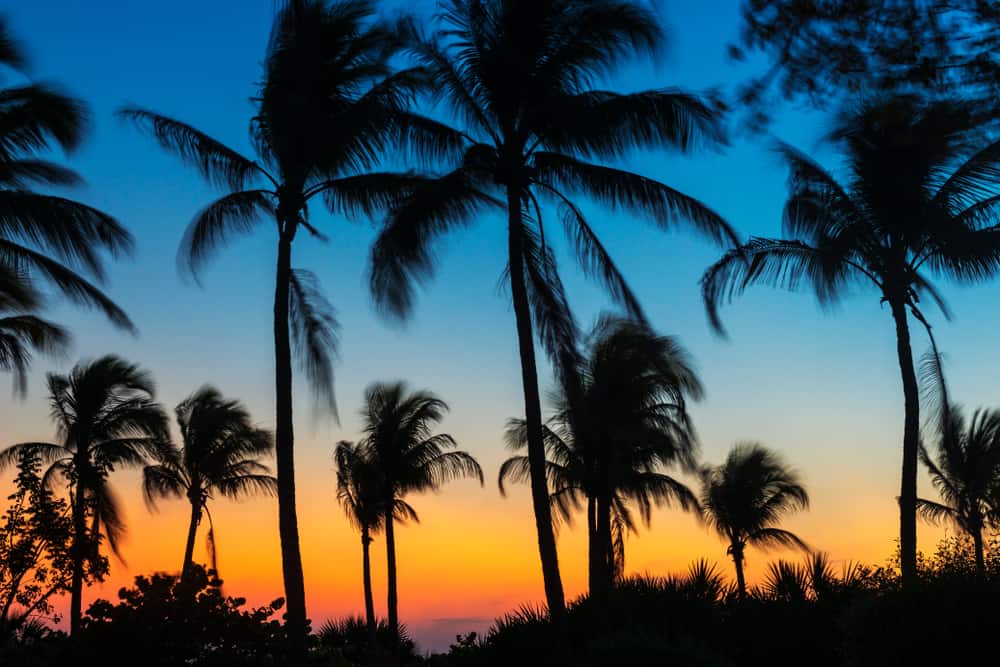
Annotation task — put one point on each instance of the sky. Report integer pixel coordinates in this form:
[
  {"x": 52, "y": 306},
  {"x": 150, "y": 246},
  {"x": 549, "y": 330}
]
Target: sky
[{"x": 821, "y": 388}]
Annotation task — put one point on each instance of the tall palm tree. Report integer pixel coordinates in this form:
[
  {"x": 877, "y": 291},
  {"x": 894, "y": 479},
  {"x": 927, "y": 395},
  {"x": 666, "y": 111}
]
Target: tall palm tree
[
  {"x": 904, "y": 213},
  {"x": 520, "y": 78},
  {"x": 620, "y": 418},
  {"x": 329, "y": 106},
  {"x": 400, "y": 443},
  {"x": 744, "y": 498},
  {"x": 44, "y": 237},
  {"x": 220, "y": 453},
  {"x": 106, "y": 419}
]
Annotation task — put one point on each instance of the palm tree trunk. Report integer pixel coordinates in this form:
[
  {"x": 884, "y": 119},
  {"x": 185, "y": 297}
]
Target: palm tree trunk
[
  {"x": 533, "y": 416},
  {"x": 911, "y": 435},
  {"x": 79, "y": 555},
  {"x": 606, "y": 545},
  {"x": 594, "y": 549},
  {"x": 977, "y": 541},
  {"x": 288, "y": 529},
  {"x": 366, "y": 573},
  {"x": 392, "y": 602},
  {"x": 741, "y": 582},
  {"x": 189, "y": 545}
]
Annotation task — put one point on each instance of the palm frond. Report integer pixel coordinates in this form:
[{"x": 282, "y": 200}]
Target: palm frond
[
  {"x": 218, "y": 164},
  {"x": 234, "y": 214},
  {"x": 315, "y": 334}
]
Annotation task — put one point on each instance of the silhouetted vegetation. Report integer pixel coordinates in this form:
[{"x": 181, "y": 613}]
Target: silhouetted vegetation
[{"x": 496, "y": 111}]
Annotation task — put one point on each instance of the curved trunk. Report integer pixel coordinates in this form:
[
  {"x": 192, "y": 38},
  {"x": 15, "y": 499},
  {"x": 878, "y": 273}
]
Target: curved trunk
[
  {"x": 741, "y": 582},
  {"x": 288, "y": 529},
  {"x": 79, "y": 550},
  {"x": 554, "y": 596},
  {"x": 392, "y": 609},
  {"x": 911, "y": 435},
  {"x": 189, "y": 545},
  {"x": 366, "y": 573}
]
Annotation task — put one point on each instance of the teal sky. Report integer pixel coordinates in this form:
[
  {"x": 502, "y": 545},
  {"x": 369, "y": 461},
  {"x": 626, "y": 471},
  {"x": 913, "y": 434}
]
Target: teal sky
[{"x": 822, "y": 388}]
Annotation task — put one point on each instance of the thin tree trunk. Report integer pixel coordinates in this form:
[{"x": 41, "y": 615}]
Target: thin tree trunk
[
  {"x": 911, "y": 435},
  {"x": 288, "y": 528},
  {"x": 594, "y": 549},
  {"x": 189, "y": 545},
  {"x": 741, "y": 582},
  {"x": 977, "y": 541},
  {"x": 366, "y": 573},
  {"x": 392, "y": 602},
  {"x": 606, "y": 545},
  {"x": 79, "y": 555},
  {"x": 533, "y": 416}
]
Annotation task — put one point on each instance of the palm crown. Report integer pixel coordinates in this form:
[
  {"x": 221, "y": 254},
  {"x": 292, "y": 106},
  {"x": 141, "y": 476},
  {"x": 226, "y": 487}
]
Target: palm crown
[
  {"x": 620, "y": 417},
  {"x": 220, "y": 453},
  {"x": 745, "y": 498},
  {"x": 45, "y": 237}
]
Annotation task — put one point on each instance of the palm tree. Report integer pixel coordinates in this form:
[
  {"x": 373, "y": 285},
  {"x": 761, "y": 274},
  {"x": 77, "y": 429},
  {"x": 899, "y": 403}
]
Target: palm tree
[
  {"x": 620, "y": 417},
  {"x": 519, "y": 76},
  {"x": 745, "y": 497},
  {"x": 220, "y": 453},
  {"x": 328, "y": 108},
  {"x": 359, "y": 493},
  {"x": 905, "y": 212},
  {"x": 400, "y": 443},
  {"x": 44, "y": 237},
  {"x": 106, "y": 419}
]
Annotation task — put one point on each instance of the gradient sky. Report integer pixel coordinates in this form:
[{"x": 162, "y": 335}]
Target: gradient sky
[{"x": 823, "y": 389}]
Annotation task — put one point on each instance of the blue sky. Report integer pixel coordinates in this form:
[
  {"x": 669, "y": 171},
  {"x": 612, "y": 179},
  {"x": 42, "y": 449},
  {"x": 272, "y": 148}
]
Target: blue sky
[{"x": 822, "y": 388}]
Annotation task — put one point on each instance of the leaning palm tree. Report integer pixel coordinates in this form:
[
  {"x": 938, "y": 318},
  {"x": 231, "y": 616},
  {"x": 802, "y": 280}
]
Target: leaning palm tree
[
  {"x": 219, "y": 454},
  {"x": 905, "y": 212},
  {"x": 744, "y": 498},
  {"x": 328, "y": 108},
  {"x": 44, "y": 237},
  {"x": 520, "y": 78},
  {"x": 106, "y": 419},
  {"x": 408, "y": 457},
  {"x": 620, "y": 419}
]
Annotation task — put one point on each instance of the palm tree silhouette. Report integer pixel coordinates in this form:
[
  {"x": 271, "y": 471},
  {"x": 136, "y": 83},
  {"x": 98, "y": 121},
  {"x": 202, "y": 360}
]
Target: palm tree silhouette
[
  {"x": 905, "y": 211},
  {"x": 359, "y": 492},
  {"x": 45, "y": 237},
  {"x": 744, "y": 498},
  {"x": 106, "y": 419},
  {"x": 328, "y": 108},
  {"x": 400, "y": 444},
  {"x": 520, "y": 78},
  {"x": 219, "y": 454},
  {"x": 965, "y": 464},
  {"x": 620, "y": 417}
]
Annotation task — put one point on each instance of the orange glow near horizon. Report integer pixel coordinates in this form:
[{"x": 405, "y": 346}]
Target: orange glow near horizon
[{"x": 471, "y": 558}]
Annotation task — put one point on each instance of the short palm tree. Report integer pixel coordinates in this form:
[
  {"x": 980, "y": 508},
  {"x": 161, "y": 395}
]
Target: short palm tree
[
  {"x": 620, "y": 419},
  {"x": 106, "y": 419},
  {"x": 328, "y": 108},
  {"x": 521, "y": 77},
  {"x": 219, "y": 454},
  {"x": 400, "y": 443},
  {"x": 905, "y": 212},
  {"x": 360, "y": 494},
  {"x": 45, "y": 237},
  {"x": 744, "y": 499}
]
